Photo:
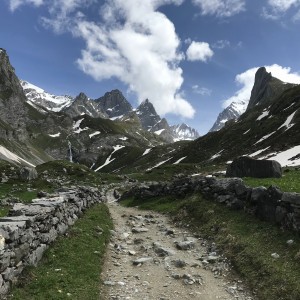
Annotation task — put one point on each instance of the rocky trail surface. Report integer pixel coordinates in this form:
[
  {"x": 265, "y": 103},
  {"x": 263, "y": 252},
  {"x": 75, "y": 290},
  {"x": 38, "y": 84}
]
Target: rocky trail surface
[{"x": 149, "y": 258}]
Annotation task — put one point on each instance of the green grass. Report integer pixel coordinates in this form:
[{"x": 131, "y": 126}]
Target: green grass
[
  {"x": 77, "y": 260},
  {"x": 246, "y": 241},
  {"x": 290, "y": 181},
  {"x": 166, "y": 172}
]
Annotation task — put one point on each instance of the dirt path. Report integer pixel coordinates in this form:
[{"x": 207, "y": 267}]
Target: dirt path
[{"x": 148, "y": 258}]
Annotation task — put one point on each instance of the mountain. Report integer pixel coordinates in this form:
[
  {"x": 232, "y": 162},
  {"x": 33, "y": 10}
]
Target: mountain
[
  {"x": 265, "y": 89},
  {"x": 114, "y": 104},
  {"x": 49, "y": 101},
  {"x": 184, "y": 132},
  {"x": 83, "y": 105},
  {"x": 152, "y": 122},
  {"x": 231, "y": 112},
  {"x": 270, "y": 128}
]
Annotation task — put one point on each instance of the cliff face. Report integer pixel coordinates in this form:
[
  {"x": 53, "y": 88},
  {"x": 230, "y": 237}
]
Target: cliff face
[
  {"x": 266, "y": 88},
  {"x": 13, "y": 107}
]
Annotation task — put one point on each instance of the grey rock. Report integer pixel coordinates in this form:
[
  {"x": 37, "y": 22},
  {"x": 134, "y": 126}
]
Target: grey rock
[
  {"x": 142, "y": 260},
  {"x": 28, "y": 174},
  {"x": 162, "y": 251},
  {"x": 249, "y": 167},
  {"x": 185, "y": 245},
  {"x": 139, "y": 229}
]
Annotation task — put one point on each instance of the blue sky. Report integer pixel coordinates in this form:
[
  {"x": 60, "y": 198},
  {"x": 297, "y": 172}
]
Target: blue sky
[{"x": 189, "y": 57}]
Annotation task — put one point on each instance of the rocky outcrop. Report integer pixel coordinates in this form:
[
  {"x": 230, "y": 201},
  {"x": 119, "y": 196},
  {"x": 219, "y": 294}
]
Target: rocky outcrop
[
  {"x": 13, "y": 109},
  {"x": 266, "y": 88},
  {"x": 147, "y": 114},
  {"x": 114, "y": 104},
  {"x": 39, "y": 97},
  {"x": 258, "y": 168},
  {"x": 83, "y": 105},
  {"x": 30, "y": 228},
  {"x": 268, "y": 204},
  {"x": 182, "y": 132},
  {"x": 231, "y": 112}
]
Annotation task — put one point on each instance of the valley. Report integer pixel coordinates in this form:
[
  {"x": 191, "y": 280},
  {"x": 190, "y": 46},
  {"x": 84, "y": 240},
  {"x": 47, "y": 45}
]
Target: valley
[{"x": 125, "y": 172}]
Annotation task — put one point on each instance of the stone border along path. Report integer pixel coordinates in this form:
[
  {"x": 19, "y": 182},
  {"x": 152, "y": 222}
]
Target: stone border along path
[{"x": 148, "y": 258}]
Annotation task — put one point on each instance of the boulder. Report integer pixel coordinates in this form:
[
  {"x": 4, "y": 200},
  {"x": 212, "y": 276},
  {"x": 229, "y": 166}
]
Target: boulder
[
  {"x": 248, "y": 167},
  {"x": 28, "y": 173}
]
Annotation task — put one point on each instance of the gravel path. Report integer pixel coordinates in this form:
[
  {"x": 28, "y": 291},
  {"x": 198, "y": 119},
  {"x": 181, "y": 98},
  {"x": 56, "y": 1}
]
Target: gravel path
[{"x": 148, "y": 258}]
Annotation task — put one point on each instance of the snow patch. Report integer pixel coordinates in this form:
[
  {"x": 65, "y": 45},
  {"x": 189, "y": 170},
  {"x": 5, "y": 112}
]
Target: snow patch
[
  {"x": 264, "y": 114},
  {"x": 147, "y": 151},
  {"x": 93, "y": 134},
  {"x": 116, "y": 118},
  {"x": 216, "y": 155},
  {"x": 76, "y": 125},
  {"x": 285, "y": 157},
  {"x": 14, "y": 157},
  {"x": 159, "y": 132},
  {"x": 109, "y": 160},
  {"x": 123, "y": 138},
  {"x": 258, "y": 152},
  {"x": 55, "y": 135},
  {"x": 288, "y": 121},
  {"x": 179, "y": 160},
  {"x": 246, "y": 131},
  {"x": 159, "y": 164},
  {"x": 265, "y": 137}
]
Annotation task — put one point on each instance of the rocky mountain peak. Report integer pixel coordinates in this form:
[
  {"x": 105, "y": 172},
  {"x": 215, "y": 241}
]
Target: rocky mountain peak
[
  {"x": 114, "y": 104},
  {"x": 265, "y": 87},
  {"x": 184, "y": 132},
  {"x": 148, "y": 115},
  {"x": 81, "y": 97}
]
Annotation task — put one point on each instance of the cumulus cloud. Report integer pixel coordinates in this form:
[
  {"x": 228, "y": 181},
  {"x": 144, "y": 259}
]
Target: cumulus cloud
[
  {"x": 131, "y": 41},
  {"x": 199, "y": 51},
  {"x": 277, "y": 8},
  {"x": 220, "y": 8},
  {"x": 246, "y": 81},
  {"x": 14, "y": 4}
]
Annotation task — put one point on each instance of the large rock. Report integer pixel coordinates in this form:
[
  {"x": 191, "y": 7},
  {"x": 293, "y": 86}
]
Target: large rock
[
  {"x": 249, "y": 167},
  {"x": 28, "y": 174}
]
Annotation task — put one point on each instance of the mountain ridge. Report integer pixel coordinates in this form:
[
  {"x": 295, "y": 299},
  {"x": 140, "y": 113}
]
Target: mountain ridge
[{"x": 112, "y": 105}]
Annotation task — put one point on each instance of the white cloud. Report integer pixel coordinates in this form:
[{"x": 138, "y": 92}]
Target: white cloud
[
  {"x": 129, "y": 46},
  {"x": 128, "y": 43},
  {"x": 14, "y": 4},
  {"x": 220, "y": 8},
  {"x": 277, "y": 8},
  {"x": 199, "y": 51},
  {"x": 221, "y": 44},
  {"x": 246, "y": 81},
  {"x": 283, "y": 5},
  {"x": 201, "y": 90}
]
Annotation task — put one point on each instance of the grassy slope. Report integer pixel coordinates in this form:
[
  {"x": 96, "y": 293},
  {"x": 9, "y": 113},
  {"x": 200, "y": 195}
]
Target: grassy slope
[
  {"x": 71, "y": 268},
  {"x": 290, "y": 182},
  {"x": 246, "y": 241},
  {"x": 233, "y": 140}
]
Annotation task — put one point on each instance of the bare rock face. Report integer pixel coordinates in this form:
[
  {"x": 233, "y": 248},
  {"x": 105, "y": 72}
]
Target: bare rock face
[
  {"x": 114, "y": 104},
  {"x": 83, "y": 105},
  {"x": 266, "y": 88},
  {"x": 13, "y": 109},
  {"x": 249, "y": 167}
]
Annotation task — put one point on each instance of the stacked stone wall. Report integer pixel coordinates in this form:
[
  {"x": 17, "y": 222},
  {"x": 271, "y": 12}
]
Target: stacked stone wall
[
  {"x": 268, "y": 204},
  {"x": 30, "y": 228}
]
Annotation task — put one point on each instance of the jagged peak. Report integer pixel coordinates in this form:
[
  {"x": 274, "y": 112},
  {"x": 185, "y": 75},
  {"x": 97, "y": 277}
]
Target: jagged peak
[{"x": 82, "y": 96}]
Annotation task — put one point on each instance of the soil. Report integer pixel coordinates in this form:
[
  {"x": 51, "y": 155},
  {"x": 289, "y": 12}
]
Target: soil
[{"x": 149, "y": 258}]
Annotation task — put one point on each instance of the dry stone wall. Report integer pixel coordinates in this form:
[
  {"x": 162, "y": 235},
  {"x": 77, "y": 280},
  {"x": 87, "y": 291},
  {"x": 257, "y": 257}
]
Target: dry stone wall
[
  {"x": 268, "y": 204},
  {"x": 30, "y": 228}
]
